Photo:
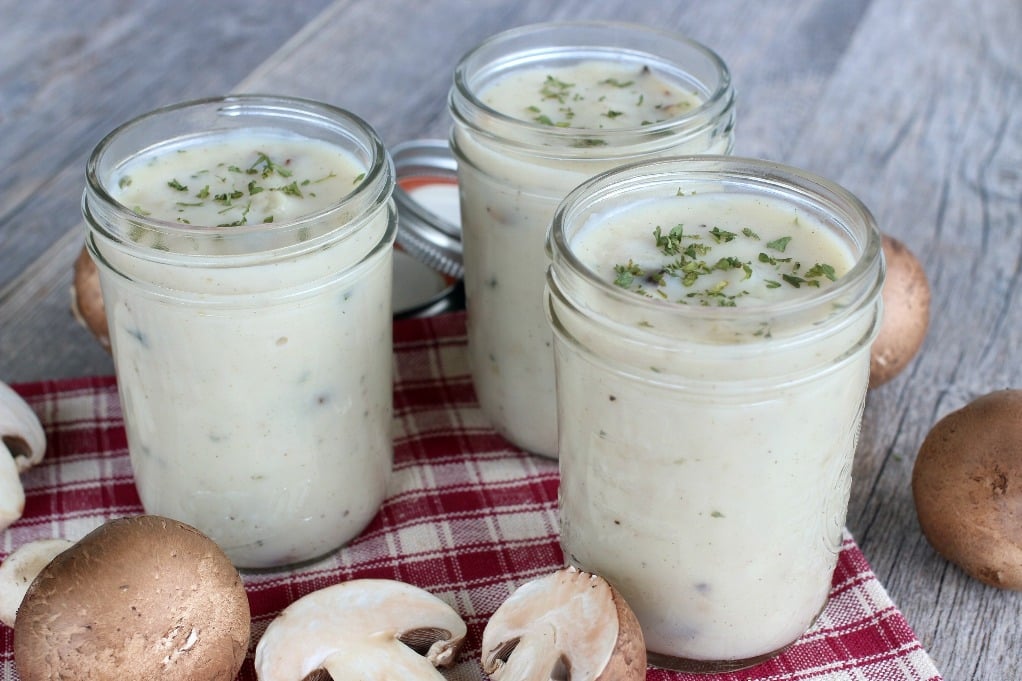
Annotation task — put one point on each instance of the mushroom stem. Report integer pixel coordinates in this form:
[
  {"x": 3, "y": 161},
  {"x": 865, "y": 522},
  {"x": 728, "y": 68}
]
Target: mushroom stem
[
  {"x": 535, "y": 657},
  {"x": 398, "y": 662}
]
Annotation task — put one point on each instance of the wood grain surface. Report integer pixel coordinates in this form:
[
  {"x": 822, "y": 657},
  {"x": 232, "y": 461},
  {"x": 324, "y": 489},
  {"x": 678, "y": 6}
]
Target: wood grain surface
[{"x": 914, "y": 105}]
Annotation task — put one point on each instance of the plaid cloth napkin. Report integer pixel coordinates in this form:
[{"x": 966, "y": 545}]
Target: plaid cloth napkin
[{"x": 467, "y": 517}]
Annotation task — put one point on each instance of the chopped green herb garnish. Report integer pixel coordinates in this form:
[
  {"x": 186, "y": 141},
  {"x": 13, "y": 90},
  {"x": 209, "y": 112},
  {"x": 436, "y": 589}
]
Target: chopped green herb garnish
[
  {"x": 266, "y": 166},
  {"x": 626, "y": 274},
  {"x": 614, "y": 82},
  {"x": 668, "y": 244},
  {"x": 722, "y": 236},
  {"x": 291, "y": 189},
  {"x": 821, "y": 270},
  {"x": 554, "y": 88}
]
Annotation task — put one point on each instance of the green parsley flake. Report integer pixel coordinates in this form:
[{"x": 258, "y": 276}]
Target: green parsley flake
[{"x": 688, "y": 265}]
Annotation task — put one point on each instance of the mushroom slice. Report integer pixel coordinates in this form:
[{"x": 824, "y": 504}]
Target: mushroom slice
[
  {"x": 23, "y": 438},
  {"x": 371, "y": 629},
  {"x": 568, "y": 625},
  {"x": 21, "y": 568}
]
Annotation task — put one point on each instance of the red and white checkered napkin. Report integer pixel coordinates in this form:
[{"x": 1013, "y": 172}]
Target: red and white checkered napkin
[{"x": 467, "y": 517}]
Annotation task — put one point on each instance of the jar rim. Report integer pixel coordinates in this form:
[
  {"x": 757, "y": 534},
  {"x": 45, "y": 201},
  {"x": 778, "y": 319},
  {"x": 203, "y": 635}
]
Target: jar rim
[
  {"x": 470, "y": 110},
  {"x": 865, "y": 276},
  {"x": 373, "y": 188}
]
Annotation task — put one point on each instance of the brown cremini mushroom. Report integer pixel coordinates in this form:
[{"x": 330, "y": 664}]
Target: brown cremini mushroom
[
  {"x": 87, "y": 298},
  {"x": 141, "y": 598},
  {"x": 568, "y": 625},
  {"x": 22, "y": 445},
  {"x": 20, "y": 569},
  {"x": 906, "y": 298},
  {"x": 967, "y": 488},
  {"x": 362, "y": 629}
]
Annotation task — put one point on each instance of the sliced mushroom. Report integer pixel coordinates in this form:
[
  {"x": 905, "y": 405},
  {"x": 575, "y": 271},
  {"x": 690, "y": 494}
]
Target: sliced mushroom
[
  {"x": 21, "y": 568},
  {"x": 568, "y": 625},
  {"x": 23, "y": 438},
  {"x": 364, "y": 629}
]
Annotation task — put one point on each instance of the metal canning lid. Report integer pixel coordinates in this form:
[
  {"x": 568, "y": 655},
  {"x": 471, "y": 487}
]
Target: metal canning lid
[
  {"x": 427, "y": 256},
  {"x": 427, "y": 203}
]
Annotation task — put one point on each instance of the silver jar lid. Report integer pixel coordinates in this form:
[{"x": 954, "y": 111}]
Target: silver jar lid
[{"x": 428, "y": 260}]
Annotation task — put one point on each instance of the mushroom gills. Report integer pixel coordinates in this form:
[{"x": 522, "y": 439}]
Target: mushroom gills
[
  {"x": 534, "y": 657},
  {"x": 17, "y": 446},
  {"x": 423, "y": 639}
]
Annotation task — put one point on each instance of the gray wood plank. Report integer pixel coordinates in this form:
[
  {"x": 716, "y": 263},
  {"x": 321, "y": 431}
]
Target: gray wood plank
[
  {"x": 931, "y": 139},
  {"x": 70, "y": 72}
]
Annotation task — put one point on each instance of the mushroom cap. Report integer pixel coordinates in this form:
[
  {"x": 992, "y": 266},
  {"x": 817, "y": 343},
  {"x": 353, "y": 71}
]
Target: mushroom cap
[
  {"x": 87, "y": 298},
  {"x": 569, "y": 623},
  {"x": 967, "y": 488},
  {"x": 906, "y": 298},
  {"x": 20, "y": 430},
  {"x": 365, "y": 628},
  {"x": 23, "y": 439},
  {"x": 138, "y": 598},
  {"x": 20, "y": 569}
]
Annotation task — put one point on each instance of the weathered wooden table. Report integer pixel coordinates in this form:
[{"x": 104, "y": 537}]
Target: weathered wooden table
[{"x": 914, "y": 106}]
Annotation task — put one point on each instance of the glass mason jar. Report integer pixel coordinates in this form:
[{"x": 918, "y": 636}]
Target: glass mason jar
[
  {"x": 515, "y": 164},
  {"x": 252, "y": 355},
  {"x": 706, "y": 449}
]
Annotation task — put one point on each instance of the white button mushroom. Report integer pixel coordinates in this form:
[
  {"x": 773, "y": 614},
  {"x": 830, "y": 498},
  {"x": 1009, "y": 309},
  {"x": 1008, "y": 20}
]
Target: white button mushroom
[
  {"x": 21, "y": 568},
  {"x": 362, "y": 629},
  {"x": 23, "y": 438},
  {"x": 567, "y": 625}
]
